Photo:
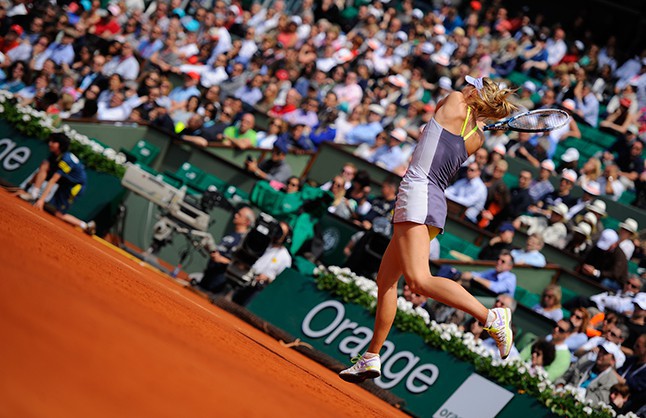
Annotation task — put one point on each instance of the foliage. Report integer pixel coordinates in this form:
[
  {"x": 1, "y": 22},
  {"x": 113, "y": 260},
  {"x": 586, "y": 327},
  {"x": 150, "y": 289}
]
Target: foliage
[
  {"x": 37, "y": 124},
  {"x": 566, "y": 401}
]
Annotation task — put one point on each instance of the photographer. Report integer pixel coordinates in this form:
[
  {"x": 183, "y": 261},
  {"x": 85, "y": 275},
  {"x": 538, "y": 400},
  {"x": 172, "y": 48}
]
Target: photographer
[
  {"x": 213, "y": 277},
  {"x": 273, "y": 169},
  {"x": 271, "y": 263}
]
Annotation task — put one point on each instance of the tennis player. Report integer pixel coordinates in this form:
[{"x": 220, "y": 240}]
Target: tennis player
[{"x": 454, "y": 133}]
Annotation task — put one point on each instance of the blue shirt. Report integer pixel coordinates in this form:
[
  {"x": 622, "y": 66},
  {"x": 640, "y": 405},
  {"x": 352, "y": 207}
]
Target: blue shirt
[
  {"x": 71, "y": 168},
  {"x": 365, "y": 133},
  {"x": 504, "y": 282},
  {"x": 532, "y": 258},
  {"x": 181, "y": 94}
]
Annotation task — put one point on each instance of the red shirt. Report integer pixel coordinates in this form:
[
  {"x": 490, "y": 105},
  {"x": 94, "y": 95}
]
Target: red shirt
[{"x": 6, "y": 47}]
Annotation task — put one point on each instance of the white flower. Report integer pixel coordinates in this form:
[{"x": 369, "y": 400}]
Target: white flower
[
  {"x": 587, "y": 410},
  {"x": 445, "y": 336},
  {"x": 1, "y": 108},
  {"x": 2, "y": 99},
  {"x": 26, "y": 118},
  {"x": 109, "y": 153}
]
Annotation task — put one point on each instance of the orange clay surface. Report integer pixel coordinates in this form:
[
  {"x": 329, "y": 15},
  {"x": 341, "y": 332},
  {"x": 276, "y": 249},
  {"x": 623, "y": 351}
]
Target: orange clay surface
[{"x": 88, "y": 332}]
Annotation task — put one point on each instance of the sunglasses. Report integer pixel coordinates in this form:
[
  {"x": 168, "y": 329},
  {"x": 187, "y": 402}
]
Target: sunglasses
[
  {"x": 338, "y": 184},
  {"x": 293, "y": 184},
  {"x": 634, "y": 286},
  {"x": 561, "y": 329},
  {"x": 614, "y": 335},
  {"x": 577, "y": 316}
]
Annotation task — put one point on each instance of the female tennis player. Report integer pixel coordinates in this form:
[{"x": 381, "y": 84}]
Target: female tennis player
[{"x": 454, "y": 133}]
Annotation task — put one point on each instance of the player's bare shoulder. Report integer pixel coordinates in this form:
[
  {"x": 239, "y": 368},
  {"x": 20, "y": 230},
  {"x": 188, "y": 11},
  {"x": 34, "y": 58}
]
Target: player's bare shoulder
[{"x": 452, "y": 111}]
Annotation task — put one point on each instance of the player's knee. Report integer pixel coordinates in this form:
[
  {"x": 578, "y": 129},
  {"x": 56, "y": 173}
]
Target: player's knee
[{"x": 414, "y": 283}]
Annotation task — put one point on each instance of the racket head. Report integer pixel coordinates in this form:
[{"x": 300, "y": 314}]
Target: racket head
[{"x": 539, "y": 120}]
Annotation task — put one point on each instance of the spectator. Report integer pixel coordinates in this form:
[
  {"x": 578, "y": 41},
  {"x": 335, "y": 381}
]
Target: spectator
[
  {"x": 587, "y": 104},
  {"x": 348, "y": 172},
  {"x": 561, "y": 331},
  {"x": 496, "y": 207},
  {"x": 213, "y": 279},
  {"x": 390, "y": 156},
  {"x": 579, "y": 242},
  {"x": 543, "y": 354},
  {"x": 594, "y": 378},
  {"x": 633, "y": 373},
  {"x": 125, "y": 64},
  {"x": 620, "y": 301},
  {"x": 381, "y": 206},
  {"x": 341, "y": 205},
  {"x": 61, "y": 168},
  {"x": 542, "y": 185},
  {"x": 500, "y": 242},
  {"x": 180, "y": 94},
  {"x": 242, "y": 136},
  {"x": 550, "y": 303},
  {"x": 636, "y": 324},
  {"x": 620, "y": 397},
  {"x": 562, "y": 195},
  {"x": 580, "y": 320},
  {"x": 627, "y": 233},
  {"x": 570, "y": 160},
  {"x": 520, "y": 195},
  {"x": 306, "y": 115},
  {"x": 469, "y": 192},
  {"x": 266, "y": 139},
  {"x": 552, "y": 229},
  {"x": 590, "y": 172},
  {"x": 531, "y": 255},
  {"x": 606, "y": 263},
  {"x": 366, "y": 132},
  {"x": 591, "y": 191},
  {"x": 609, "y": 182},
  {"x": 274, "y": 168},
  {"x": 499, "y": 279},
  {"x": 631, "y": 165}
]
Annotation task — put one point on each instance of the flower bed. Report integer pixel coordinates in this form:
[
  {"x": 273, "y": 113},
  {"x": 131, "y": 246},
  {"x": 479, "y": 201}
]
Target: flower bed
[
  {"x": 38, "y": 124},
  {"x": 515, "y": 373}
]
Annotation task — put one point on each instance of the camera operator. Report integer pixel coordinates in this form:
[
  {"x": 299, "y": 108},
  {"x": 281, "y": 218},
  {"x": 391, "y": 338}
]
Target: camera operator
[
  {"x": 213, "y": 278},
  {"x": 271, "y": 263},
  {"x": 274, "y": 168}
]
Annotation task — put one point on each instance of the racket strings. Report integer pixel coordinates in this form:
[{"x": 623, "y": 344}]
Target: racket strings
[{"x": 539, "y": 121}]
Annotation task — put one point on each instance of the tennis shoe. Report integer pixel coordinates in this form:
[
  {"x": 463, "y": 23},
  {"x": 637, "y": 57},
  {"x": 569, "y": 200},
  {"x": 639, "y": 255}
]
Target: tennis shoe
[
  {"x": 90, "y": 229},
  {"x": 363, "y": 368},
  {"x": 500, "y": 331}
]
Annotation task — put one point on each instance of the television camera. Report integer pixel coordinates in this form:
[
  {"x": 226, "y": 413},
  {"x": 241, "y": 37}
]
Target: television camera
[{"x": 180, "y": 213}]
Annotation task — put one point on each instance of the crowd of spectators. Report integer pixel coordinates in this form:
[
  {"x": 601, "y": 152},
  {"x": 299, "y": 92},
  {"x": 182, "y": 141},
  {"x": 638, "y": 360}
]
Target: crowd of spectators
[{"x": 263, "y": 75}]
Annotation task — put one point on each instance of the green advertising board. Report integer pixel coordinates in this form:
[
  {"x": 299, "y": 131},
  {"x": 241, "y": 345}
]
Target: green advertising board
[{"x": 424, "y": 377}]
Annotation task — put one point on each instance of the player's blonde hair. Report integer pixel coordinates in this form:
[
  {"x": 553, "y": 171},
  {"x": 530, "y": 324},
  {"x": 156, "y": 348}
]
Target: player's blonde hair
[{"x": 491, "y": 101}]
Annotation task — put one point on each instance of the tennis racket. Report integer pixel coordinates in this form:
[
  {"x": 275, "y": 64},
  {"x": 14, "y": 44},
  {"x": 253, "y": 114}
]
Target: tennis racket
[{"x": 540, "y": 120}]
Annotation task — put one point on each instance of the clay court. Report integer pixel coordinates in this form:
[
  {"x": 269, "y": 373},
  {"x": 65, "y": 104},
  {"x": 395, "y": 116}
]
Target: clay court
[{"x": 89, "y": 332}]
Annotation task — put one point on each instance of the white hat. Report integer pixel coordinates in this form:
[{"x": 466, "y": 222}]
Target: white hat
[
  {"x": 500, "y": 149},
  {"x": 427, "y": 48},
  {"x": 612, "y": 348},
  {"x": 598, "y": 206},
  {"x": 583, "y": 228},
  {"x": 439, "y": 29},
  {"x": 630, "y": 225},
  {"x": 640, "y": 300},
  {"x": 343, "y": 55},
  {"x": 441, "y": 58},
  {"x": 592, "y": 187},
  {"x": 295, "y": 19},
  {"x": 608, "y": 238},
  {"x": 440, "y": 38},
  {"x": 397, "y": 80},
  {"x": 418, "y": 14},
  {"x": 375, "y": 108},
  {"x": 570, "y": 154},
  {"x": 569, "y": 175},
  {"x": 560, "y": 209},
  {"x": 445, "y": 83},
  {"x": 548, "y": 165},
  {"x": 591, "y": 218},
  {"x": 401, "y": 35},
  {"x": 399, "y": 134},
  {"x": 530, "y": 86},
  {"x": 528, "y": 31}
]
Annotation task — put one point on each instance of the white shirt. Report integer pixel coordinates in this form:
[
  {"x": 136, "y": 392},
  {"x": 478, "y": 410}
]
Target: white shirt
[
  {"x": 127, "y": 68},
  {"x": 471, "y": 194},
  {"x": 628, "y": 247},
  {"x": 272, "y": 262}
]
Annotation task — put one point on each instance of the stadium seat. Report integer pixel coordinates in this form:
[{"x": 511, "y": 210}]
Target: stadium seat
[{"x": 142, "y": 153}]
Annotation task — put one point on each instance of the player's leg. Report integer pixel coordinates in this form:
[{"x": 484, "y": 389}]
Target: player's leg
[
  {"x": 63, "y": 200},
  {"x": 368, "y": 366},
  {"x": 414, "y": 244}
]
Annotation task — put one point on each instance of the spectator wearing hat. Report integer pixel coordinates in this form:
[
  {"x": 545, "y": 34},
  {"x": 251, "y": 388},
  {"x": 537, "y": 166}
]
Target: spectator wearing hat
[
  {"x": 366, "y": 132},
  {"x": 591, "y": 191},
  {"x": 542, "y": 185},
  {"x": 527, "y": 90},
  {"x": 12, "y": 39},
  {"x": 569, "y": 159},
  {"x": 552, "y": 228},
  {"x": 531, "y": 255},
  {"x": 469, "y": 192},
  {"x": 501, "y": 241},
  {"x": 606, "y": 263},
  {"x": 595, "y": 212},
  {"x": 609, "y": 182},
  {"x": 627, "y": 233},
  {"x": 636, "y": 322},
  {"x": 391, "y": 156},
  {"x": 274, "y": 168},
  {"x": 579, "y": 242},
  {"x": 594, "y": 378},
  {"x": 562, "y": 195}
]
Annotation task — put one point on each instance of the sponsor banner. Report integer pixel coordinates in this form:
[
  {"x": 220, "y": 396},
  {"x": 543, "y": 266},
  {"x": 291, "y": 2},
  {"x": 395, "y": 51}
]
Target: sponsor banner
[{"x": 424, "y": 377}]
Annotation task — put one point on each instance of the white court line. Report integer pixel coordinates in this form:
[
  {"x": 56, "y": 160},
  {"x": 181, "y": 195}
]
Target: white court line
[{"x": 120, "y": 260}]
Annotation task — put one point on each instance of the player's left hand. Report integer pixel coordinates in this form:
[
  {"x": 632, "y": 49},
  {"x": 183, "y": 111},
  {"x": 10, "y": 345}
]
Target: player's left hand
[{"x": 40, "y": 204}]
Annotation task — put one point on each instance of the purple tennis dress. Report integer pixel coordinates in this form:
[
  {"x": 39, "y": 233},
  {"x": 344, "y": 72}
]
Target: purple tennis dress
[{"x": 437, "y": 157}]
